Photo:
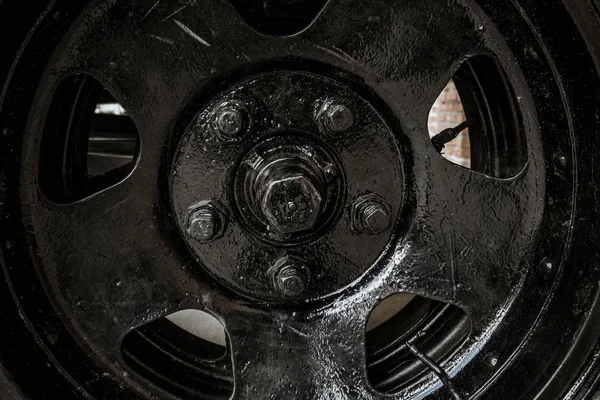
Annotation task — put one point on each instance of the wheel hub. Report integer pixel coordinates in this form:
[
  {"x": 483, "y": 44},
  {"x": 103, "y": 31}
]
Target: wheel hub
[
  {"x": 301, "y": 200},
  {"x": 290, "y": 185}
]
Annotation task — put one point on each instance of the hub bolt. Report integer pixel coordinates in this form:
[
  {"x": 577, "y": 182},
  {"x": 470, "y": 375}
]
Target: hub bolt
[
  {"x": 206, "y": 221},
  {"x": 290, "y": 282},
  {"x": 337, "y": 118},
  {"x": 370, "y": 214},
  {"x": 290, "y": 277},
  {"x": 230, "y": 121}
]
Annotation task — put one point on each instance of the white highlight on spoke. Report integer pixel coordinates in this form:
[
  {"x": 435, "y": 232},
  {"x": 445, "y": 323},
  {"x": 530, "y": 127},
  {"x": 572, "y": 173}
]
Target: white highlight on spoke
[{"x": 191, "y": 33}]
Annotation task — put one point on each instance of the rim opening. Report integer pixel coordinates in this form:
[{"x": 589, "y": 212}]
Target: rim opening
[
  {"x": 114, "y": 140},
  {"x": 437, "y": 329},
  {"x": 476, "y": 123},
  {"x": 184, "y": 353},
  {"x": 201, "y": 325},
  {"x": 496, "y": 131},
  {"x": 278, "y": 17},
  {"x": 447, "y": 113},
  {"x": 89, "y": 142}
]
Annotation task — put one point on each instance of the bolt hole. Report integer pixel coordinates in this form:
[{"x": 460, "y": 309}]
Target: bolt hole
[{"x": 560, "y": 161}]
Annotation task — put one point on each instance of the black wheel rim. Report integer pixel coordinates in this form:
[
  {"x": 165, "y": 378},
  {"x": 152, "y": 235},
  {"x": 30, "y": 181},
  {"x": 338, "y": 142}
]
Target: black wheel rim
[{"x": 164, "y": 83}]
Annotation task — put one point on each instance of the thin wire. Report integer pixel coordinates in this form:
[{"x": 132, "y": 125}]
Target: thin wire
[{"x": 441, "y": 374}]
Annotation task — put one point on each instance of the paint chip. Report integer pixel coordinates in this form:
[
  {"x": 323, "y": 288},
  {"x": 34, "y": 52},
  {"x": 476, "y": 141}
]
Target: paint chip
[
  {"x": 162, "y": 39},
  {"x": 191, "y": 33}
]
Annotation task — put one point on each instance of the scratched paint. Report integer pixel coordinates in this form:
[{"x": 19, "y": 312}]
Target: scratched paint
[{"x": 191, "y": 33}]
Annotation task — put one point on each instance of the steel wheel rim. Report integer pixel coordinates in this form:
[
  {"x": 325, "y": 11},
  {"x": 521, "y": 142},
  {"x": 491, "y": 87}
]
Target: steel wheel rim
[{"x": 543, "y": 262}]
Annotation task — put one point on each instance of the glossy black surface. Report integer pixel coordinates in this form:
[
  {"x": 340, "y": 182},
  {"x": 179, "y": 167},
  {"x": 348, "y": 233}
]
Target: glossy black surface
[
  {"x": 517, "y": 254},
  {"x": 254, "y": 177}
]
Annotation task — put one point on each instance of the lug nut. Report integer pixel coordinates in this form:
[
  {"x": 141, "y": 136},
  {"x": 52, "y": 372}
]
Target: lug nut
[
  {"x": 290, "y": 282},
  {"x": 370, "y": 215},
  {"x": 206, "y": 222},
  {"x": 337, "y": 118},
  {"x": 203, "y": 225},
  {"x": 375, "y": 218},
  {"x": 290, "y": 277},
  {"x": 231, "y": 120}
]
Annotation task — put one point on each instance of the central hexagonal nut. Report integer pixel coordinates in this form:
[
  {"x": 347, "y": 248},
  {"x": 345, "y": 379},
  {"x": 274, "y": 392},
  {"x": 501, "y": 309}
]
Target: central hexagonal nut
[{"x": 291, "y": 203}]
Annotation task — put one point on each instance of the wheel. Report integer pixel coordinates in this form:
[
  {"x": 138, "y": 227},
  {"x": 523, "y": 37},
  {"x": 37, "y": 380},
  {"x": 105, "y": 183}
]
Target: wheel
[{"x": 267, "y": 165}]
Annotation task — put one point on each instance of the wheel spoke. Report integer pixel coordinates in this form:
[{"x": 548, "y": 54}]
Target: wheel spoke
[
  {"x": 320, "y": 357},
  {"x": 392, "y": 44},
  {"x": 154, "y": 55},
  {"x": 108, "y": 261},
  {"x": 470, "y": 236}
]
